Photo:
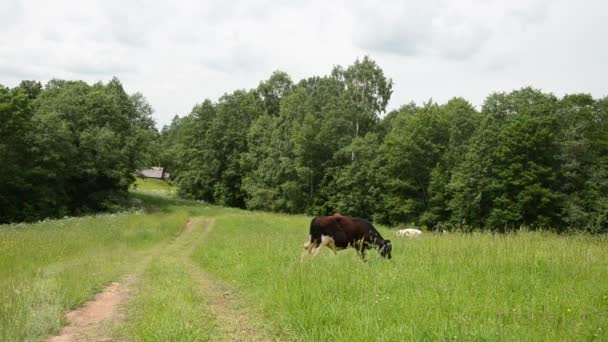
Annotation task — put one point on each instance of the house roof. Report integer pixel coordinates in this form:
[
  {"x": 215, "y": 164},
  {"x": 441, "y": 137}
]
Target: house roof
[{"x": 154, "y": 172}]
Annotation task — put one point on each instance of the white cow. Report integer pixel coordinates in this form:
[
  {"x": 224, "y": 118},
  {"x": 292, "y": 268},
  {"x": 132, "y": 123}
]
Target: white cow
[{"x": 409, "y": 232}]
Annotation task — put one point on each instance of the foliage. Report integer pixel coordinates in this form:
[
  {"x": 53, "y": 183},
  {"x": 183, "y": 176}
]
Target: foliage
[
  {"x": 321, "y": 146},
  {"x": 70, "y": 148}
]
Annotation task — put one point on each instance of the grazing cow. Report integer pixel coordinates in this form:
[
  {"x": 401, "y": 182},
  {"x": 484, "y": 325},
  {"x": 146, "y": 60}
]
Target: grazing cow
[
  {"x": 409, "y": 232},
  {"x": 339, "y": 232}
]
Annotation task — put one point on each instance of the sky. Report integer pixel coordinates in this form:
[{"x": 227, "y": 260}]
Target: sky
[{"x": 178, "y": 53}]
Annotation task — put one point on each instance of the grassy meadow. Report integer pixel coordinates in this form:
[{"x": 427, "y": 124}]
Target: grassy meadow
[
  {"x": 529, "y": 286},
  {"x": 48, "y": 268},
  {"x": 154, "y": 186},
  {"x": 168, "y": 306},
  {"x": 526, "y": 286}
]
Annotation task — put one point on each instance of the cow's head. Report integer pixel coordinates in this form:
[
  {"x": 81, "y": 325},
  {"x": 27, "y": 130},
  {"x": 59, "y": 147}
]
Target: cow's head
[{"x": 386, "y": 248}]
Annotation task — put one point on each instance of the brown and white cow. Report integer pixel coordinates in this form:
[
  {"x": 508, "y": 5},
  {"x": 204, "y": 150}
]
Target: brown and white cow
[{"x": 340, "y": 232}]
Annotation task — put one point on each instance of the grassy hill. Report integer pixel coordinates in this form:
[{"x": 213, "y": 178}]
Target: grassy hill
[
  {"x": 526, "y": 286},
  {"x": 152, "y": 185}
]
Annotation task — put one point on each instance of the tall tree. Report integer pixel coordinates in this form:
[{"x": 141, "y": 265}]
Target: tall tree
[
  {"x": 69, "y": 148},
  {"x": 509, "y": 176},
  {"x": 463, "y": 120},
  {"x": 272, "y": 91},
  {"x": 366, "y": 94},
  {"x": 31, "y": 88},
  {"x": 583, "y": 150},
  {"x": 16, "y": 156},
  {"x": 413, "y": 148},
  {"x": 353, "y": 189},
  {"x": 216, "y": 165},
  {"x": 269, "y": 169}
]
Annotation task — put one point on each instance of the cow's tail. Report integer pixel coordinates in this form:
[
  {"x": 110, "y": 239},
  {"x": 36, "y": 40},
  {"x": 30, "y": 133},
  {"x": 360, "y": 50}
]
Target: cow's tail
[
  {"x": 314, "y": 239},
  {"x": 315, "y": 232}
]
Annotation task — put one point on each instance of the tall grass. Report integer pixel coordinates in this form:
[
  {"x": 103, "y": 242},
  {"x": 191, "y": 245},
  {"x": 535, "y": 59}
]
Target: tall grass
[
  {"x": 169, "y": 305},
  {"x": 50, "y": 267},
  {"x": 154, "y": 186},
  {"x": 529, "y": 286}
]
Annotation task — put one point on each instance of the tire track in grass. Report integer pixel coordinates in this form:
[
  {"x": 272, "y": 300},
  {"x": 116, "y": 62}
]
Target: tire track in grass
[
  {"x": 234, "y": 321},
  {"x": 96, "y": 319},
  {"x": 101, "y": 318}
]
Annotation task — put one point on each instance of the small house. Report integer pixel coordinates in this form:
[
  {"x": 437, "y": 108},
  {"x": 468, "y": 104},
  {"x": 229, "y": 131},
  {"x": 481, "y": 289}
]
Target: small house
[{"x": 153, "y": 172}]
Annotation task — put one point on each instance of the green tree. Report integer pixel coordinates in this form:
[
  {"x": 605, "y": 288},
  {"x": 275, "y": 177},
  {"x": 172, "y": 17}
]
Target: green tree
[
  {"x": 214, "y": 137},
  {"x": 353, "y": 190},
  {"x": 16, "y": 155},
  {"x": 509, "y": 175},
  {"x": 583, "y": 132},
  {"x": 69, "y": 148},
  {"x": 463, "y": 121},
  {"x": 32, "y": 88},
  {"x": 365, "y": 96},
  {"x": 272, "y": 91},
  {"x": 412, "y": 150},
  {"x": 96, "y": 137},
  {"x": 269, "y": 168}
]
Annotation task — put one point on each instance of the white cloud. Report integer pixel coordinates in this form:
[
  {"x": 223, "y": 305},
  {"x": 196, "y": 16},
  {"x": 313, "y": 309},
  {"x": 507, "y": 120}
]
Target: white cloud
[
  {"x": 11, "y": 13},
  {"x": 399, "y": 27},
  {"x": 178, "y": 54},
  {"x": 455, "y": 30}
]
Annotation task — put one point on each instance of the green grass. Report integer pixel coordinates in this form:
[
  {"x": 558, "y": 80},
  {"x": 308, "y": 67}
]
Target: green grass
[
  {"x": 168, "y": 307},
  {"x": 530, "y": 286},
  {"x": 154, "y": 186},
  {"x": 50, "y": 267},
  {"x": 526, "y": 287}
]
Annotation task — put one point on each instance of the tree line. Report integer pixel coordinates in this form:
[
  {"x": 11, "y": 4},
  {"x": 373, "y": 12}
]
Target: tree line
[
  {"x": 326, "y": 144},
  {"x": 322, "y": 145},
  {"x": 70, "y": 148}
]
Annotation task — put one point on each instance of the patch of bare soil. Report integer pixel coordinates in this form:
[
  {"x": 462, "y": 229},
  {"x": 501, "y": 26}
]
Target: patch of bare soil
[
  {"x": 91, "y": 321},
  {"x": 188, "y": 226}
]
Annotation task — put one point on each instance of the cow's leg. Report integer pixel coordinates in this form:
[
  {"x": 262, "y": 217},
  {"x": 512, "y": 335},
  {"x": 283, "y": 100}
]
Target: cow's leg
[
  {"x": 316, "y": 250},
  {"x": 361, "y": 248},
  {"x": 357, "y": 246},
  {"x": 331, "y": 244},
  {"x": 325, "y": 241},
  {"x": 309, "y": 246}
]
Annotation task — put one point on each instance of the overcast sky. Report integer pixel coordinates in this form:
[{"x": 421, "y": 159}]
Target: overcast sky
[{"x": 179, "y": 53}]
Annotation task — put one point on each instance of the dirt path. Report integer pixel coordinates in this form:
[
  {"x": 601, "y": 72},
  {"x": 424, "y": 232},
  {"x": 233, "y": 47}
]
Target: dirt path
[
  {"x": 234, "y": 322},
  {"x": 96, "y": 319},
  {"x": 93, "y": 320}
]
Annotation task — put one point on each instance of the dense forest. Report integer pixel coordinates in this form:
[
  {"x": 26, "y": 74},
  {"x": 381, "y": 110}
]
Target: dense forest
[
  {"x": 326, "y": 144},
  {"x": 70, "y": 148},
  {"x": 321, "y": 145}
]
